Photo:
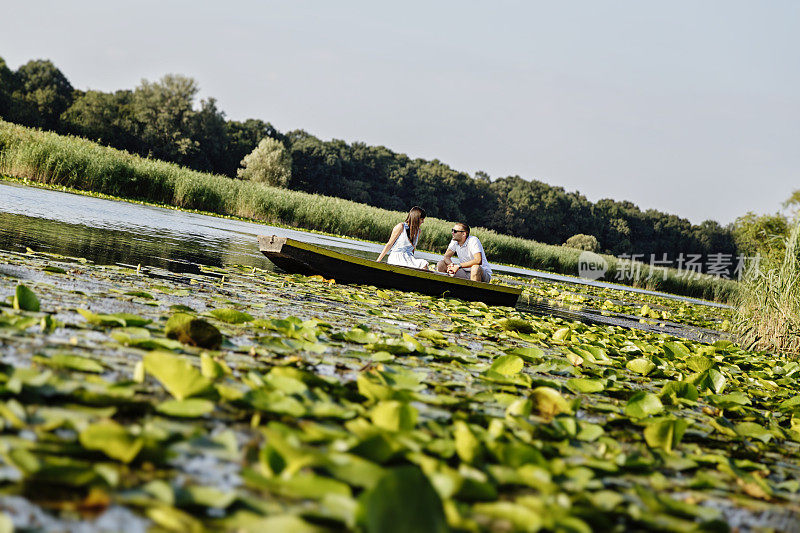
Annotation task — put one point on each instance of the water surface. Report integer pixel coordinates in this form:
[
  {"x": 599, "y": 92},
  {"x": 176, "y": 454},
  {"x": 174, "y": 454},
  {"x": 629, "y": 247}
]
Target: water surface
[{"x": 110, "y": 232}]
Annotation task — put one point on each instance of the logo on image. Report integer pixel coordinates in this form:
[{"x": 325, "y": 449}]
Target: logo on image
[{"x": 591, "y": 265}]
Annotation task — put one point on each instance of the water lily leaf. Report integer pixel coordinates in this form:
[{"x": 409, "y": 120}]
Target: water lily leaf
[
  {"x": 178, "y": 376},
  {"x": 301, "y": 485},
  {"x": 790, "y": 404},
  {"x": 507, "y": 365},
  {"x": 402, "y": 501},
  {"x": 589, "y": 432},
  {"x": 699, "y": 363},
  {"x": 274, "y": 402},
  {"x": 281, "y": 522},
  {"x": 140, "y": 294},
  {"x": 353, "y": 470},
  {"x": 173, "y": 519},
  {"x": 675, "y": 391},
  {"x": 665, "y": 433},
  {"x": 189, "y": 408},
  {"x": 515, "y": 324},
  {"x": 360, "y": 336},
  {"x": 641, "y": 366},
  {"x": 753, "y": 431},
  {"x": 643, "y": 404},
  {"x": 193, "y": 331},
  {"x": 574, "y": 358},
  {"x": 394, "y": 415},
  {"x": 54, "y": 269},
  {"x": 72, "y": 362},
  {"x": 396, "y": 346},
  {"x": 549, "y": 402},
  {"x": 432, "y": 335},
  {"x": 25, "y": 299},
  {"x": 115, "y": 319},
  {"x": 562, "y": 334},
  {"x": 231, "y": 316},
  {"x": 14, "y": 413},
  {"x": 676, "y": 350},
  {"x": 585, "y": 385},
  {"x": 211, "y": 368},
  {"x": 599, "y": 354},
  {"x": 205, "y": 496},
  {"x": 730, "y": 400},
  {"x": 530, "y": 354},
  {"x": 468, "y": 447},
  {"x": 112, "y": 439},
  {"x": 711, "y": 379},
  {"x": 522, "y": 518}
]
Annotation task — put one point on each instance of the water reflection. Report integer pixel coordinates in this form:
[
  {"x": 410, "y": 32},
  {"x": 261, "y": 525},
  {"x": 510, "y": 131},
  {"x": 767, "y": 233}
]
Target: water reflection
[{"x": 110, "y": 232}]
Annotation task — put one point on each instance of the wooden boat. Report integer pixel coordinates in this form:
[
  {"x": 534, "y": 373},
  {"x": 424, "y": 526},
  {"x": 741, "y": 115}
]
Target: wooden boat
[{"x": 308, "y": 259}]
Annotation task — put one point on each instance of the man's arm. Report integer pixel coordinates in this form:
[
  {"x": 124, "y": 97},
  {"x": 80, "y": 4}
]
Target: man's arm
[
  {"x": 448, "y": 256},
  {"x": 476, "y": 260}
]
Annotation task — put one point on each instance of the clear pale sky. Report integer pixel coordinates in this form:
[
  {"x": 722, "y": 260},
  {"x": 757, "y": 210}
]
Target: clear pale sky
[{"x": 687, "y": 107}]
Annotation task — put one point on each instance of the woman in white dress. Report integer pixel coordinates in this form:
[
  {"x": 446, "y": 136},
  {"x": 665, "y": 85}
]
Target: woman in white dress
[{"x": 403, "y": 241}]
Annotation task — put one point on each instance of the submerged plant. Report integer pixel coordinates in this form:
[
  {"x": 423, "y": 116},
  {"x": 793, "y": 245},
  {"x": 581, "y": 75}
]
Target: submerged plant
[{"x": 768, "y": 305}]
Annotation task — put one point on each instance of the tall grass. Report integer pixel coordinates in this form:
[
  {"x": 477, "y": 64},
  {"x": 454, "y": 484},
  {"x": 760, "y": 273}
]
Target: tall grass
[
  {"x": 76, "y": 163},
  {"x": 768, "y": 303}
]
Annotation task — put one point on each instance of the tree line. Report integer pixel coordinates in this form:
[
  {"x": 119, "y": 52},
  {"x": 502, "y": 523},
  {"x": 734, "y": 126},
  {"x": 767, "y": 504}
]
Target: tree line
[{"x": 163, "y": 120}]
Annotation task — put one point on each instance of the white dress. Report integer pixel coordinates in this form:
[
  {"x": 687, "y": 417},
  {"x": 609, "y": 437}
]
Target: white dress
[{"x": 402, "y": 252}]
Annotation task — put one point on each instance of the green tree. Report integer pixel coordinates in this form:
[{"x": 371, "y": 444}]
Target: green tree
[
  {"x": 163, "y": 117},
  {"x": 42, "y": 95},
  {"x": 269, "y": 163},
  {"x": 761, "y": 234},
  {"x": 103, "y": 117},
  {"x": 209, "y": 131},
  {"x": 8, "y": 84}
]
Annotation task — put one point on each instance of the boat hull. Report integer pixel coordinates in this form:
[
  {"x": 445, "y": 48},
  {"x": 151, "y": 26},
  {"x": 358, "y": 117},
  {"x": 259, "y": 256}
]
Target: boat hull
[{"x": 308, "y": 259}]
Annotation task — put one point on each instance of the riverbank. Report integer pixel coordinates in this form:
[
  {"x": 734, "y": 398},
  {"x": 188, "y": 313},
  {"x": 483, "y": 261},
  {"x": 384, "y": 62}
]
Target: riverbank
[{"x": 81, "y": 165}]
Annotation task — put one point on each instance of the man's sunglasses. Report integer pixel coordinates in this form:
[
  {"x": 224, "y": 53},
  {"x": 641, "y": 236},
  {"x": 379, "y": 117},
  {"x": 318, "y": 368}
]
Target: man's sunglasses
[{"x": 457, "y": 231}]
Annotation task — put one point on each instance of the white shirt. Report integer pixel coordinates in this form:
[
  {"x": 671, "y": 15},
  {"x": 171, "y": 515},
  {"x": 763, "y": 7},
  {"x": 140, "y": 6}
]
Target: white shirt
[{"x": 467, "y": 251}]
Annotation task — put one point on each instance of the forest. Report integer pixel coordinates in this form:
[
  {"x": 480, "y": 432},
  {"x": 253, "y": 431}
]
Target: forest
[{"x": 164, "y": 120}]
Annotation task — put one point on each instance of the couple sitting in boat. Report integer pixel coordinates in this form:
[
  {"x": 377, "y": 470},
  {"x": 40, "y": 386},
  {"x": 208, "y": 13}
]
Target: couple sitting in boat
[{"x": 472, "y": 263}]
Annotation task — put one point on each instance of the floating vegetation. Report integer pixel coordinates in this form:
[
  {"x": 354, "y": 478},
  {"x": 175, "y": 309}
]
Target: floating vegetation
[{"x": 281, "y": 402}]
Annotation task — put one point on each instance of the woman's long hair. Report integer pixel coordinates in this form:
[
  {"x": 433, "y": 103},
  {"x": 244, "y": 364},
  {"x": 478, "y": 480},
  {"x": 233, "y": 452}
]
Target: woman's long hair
[{"x": 415, "y": 216}]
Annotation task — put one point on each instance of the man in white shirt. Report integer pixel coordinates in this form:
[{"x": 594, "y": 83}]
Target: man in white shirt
[{"x": 472, "y": 263}]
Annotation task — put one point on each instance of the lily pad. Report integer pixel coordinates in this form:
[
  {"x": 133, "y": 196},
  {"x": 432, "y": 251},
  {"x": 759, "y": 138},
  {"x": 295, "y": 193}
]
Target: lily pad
[
  {"x": 177, "y": 375},
  {"x": 25, "y": 299},
  {"x": 113, "y": 440},
  {"x": 549, "y": 402},
  {"x": 641, "y": 366},
  {"x": 403, "y": 501},
  {"x": 643, "y": 404},
  {"x": 193, "y": 331},
  {"x": 665, "y": 433},
  {"x": 394, "y": 416},
  {"x": 507, "y": 365},
  {"x": 231, "y": 316},
  {"x": 189, "y": 408}
]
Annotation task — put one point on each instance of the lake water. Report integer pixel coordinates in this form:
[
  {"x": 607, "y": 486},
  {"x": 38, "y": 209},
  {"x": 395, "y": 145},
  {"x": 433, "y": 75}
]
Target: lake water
[{"x": 110, "y": 232}]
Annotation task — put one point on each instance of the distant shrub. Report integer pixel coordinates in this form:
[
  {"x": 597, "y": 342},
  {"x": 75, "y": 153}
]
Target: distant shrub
[
  {"x": 583, "y": 242},
  {"x": 270, "y": 163}
]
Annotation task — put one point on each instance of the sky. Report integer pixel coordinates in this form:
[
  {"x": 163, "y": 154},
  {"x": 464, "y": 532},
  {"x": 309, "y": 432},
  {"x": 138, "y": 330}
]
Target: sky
[{"x": 687, "y": 107}]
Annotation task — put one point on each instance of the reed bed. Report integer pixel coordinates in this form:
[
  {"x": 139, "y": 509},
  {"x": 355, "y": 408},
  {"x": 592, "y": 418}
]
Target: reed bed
[
  {"x": 768, "y": 303},
  {"x": 76, "y": 163}
]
